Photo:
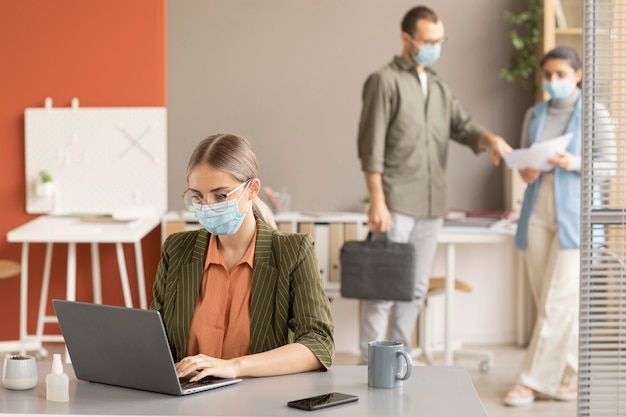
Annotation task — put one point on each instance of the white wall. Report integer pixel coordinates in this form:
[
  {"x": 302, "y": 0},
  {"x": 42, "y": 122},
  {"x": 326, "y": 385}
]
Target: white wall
[{"x": 287, "y": 74}]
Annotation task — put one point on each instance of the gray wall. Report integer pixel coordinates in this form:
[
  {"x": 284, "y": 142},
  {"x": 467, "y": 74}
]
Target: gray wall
[{"x": 287, "y": 75}]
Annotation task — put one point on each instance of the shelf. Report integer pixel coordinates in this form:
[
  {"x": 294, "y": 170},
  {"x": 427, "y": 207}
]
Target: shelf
[
  {"x": 568, "y": 31},
  {"x": 562, "y": 26}
]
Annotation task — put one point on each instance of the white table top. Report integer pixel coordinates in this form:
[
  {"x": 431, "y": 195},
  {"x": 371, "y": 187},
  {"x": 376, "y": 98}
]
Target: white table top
[
  {"x": 431, "y": 391},
  {"x": 495, "y": 234},
  {"x": 53, "y": 229},
  {"x": 500, "y": 231}
]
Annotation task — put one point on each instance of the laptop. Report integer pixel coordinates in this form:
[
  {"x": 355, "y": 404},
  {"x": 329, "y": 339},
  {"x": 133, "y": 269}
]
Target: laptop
[{"x": 126, "y": 347}]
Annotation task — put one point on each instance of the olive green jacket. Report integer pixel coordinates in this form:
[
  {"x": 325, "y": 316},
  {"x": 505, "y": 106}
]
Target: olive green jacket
[
  {"x": 288, "y": 302},
  {"x": 405, "y": 137}
]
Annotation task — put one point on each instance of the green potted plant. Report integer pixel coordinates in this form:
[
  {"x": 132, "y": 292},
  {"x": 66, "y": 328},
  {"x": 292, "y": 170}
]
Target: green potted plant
[
  {"x": 525, "y": 40},
  {"x": 45, "y": 184}
]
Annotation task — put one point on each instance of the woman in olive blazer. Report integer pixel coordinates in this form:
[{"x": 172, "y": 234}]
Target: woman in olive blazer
[
  {"x": 291, "y": 327},
  {"x": 284, "y": 275}
]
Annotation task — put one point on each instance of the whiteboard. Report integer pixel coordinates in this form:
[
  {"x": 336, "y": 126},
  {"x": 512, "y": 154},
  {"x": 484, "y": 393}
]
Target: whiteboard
[{"x": 102, "y": 160}]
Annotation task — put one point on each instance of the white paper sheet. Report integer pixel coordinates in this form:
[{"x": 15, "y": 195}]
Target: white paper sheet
[{"x": 538, "y": 154}]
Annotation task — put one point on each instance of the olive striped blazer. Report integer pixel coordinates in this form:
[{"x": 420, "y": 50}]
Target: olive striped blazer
[{"x": 288, "y": 302}]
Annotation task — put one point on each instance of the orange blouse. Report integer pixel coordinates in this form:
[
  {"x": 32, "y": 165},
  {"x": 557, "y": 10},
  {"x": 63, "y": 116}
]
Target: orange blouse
[{"x": 220, "y": 326}]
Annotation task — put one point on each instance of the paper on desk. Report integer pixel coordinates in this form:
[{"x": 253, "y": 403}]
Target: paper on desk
[{"x": 538, "y": 154}]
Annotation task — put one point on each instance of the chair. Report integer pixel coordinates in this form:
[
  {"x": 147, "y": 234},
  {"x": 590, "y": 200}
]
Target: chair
[
  {"x": 8, "y": 268},
  {"x": 428, "y": 324}
]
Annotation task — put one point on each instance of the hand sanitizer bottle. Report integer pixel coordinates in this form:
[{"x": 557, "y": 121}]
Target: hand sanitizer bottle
[{"x": 57, "y": 383}]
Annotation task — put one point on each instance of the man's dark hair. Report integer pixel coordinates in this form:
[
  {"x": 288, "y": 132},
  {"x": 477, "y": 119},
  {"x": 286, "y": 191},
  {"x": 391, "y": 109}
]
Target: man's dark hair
[{"x": 409, "y": 22}]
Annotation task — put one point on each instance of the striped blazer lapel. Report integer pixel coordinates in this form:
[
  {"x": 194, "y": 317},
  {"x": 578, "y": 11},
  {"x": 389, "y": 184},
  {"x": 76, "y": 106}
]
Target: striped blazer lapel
[
  {"x": 263, "y": 295},
  {"x": 189, "y": 282}
]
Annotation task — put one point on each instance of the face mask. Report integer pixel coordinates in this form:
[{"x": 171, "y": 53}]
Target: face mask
[
  {"x": 559, "y": 89},
  {"x": 427, "y": 55},
  {"x": 221, "y": 218}
]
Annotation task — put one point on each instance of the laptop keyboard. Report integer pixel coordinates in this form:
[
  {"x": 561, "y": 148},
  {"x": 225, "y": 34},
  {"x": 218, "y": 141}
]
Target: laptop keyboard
[{"x": 185, "y": 383}]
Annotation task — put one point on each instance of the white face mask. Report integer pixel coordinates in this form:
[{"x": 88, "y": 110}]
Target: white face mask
[
  {"x": 559, "y": 89},
  {"x": 427, "y": 55},
  {"x": 222, "y": 218}
]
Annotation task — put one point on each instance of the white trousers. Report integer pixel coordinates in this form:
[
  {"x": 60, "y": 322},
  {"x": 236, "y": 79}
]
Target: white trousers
[
  {"x": 554, "y": 277},
  {"x": 396, "y": 320}
]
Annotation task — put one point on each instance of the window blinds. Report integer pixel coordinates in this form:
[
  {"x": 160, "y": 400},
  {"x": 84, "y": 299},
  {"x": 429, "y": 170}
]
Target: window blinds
[{"x": 602, "y": 358}]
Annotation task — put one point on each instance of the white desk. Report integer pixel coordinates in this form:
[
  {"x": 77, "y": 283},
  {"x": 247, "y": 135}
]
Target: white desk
[
  {"x": 451, "y": 237},
  {"x": 51, "y": 230},
  {"x": 431, "y": 391}
]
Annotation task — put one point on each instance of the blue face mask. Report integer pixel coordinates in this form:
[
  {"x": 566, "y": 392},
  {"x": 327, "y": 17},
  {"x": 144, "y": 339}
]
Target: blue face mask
[
  {"x": 427, "y": 54},
  {"x": 221, "y": 218},
  {"x": 559, "y": 89}
]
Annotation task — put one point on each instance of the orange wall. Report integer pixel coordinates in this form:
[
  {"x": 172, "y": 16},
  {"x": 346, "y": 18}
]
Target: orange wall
[{"x": 105, "y": 53}]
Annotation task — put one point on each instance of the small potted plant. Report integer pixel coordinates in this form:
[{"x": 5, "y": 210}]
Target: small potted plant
[
  {"x": 19, "y": 372},
  {"x": 45, "y": 185}
]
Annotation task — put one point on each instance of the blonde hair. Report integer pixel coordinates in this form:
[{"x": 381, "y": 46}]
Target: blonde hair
[{"x": 233, "y": 155}]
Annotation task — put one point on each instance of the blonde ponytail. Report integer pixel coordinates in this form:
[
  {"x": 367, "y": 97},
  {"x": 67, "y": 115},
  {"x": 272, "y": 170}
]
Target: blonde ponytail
[{"x": 263, "y": 212}]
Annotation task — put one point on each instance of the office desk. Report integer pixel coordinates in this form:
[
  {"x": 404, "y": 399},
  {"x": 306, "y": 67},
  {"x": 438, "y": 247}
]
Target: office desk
[
  {"x": 431, "y": 391},
  {"x": 51, "y": 230},
  {"x": 450, "y": 237}
]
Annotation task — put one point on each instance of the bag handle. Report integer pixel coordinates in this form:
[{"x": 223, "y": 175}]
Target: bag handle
[{"x": 370, "y": 237}]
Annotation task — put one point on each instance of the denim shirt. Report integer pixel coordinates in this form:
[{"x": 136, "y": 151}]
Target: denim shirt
[{"x": 567, "y": 192}]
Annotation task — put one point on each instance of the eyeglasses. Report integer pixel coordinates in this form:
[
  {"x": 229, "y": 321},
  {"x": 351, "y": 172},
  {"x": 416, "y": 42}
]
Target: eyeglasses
[
  {"x": 193, "y": 199},
  {"x": 429, "y": 42}
]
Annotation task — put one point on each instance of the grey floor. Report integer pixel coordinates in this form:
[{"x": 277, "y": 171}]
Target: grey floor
[{"x": 491, "y": 386}]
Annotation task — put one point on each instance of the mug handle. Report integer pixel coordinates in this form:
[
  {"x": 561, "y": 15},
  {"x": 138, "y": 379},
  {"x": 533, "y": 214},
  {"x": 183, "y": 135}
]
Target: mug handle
[{"x": 409, "y": 365}]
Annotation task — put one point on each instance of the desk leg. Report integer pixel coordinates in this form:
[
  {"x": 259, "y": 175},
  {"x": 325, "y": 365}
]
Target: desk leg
[
  {"x": 449, "y": 296},
  {"x": 24, "y": 299},
  {"x": 141, "y": 281},
  {"x": 121, "y": 262},
  {"x": 70, "y": 293},
  {"x": 95, "y": 274},
  {"x": 71, "y": 282},
  {"x": 45, "y": 286}
]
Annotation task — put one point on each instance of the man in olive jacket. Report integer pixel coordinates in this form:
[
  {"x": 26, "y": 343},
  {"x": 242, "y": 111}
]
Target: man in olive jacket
[{"x": 408, "y": 117}]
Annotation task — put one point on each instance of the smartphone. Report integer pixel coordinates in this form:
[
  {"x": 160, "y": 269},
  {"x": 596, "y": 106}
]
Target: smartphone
[{"x": 322, "y": 401}]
